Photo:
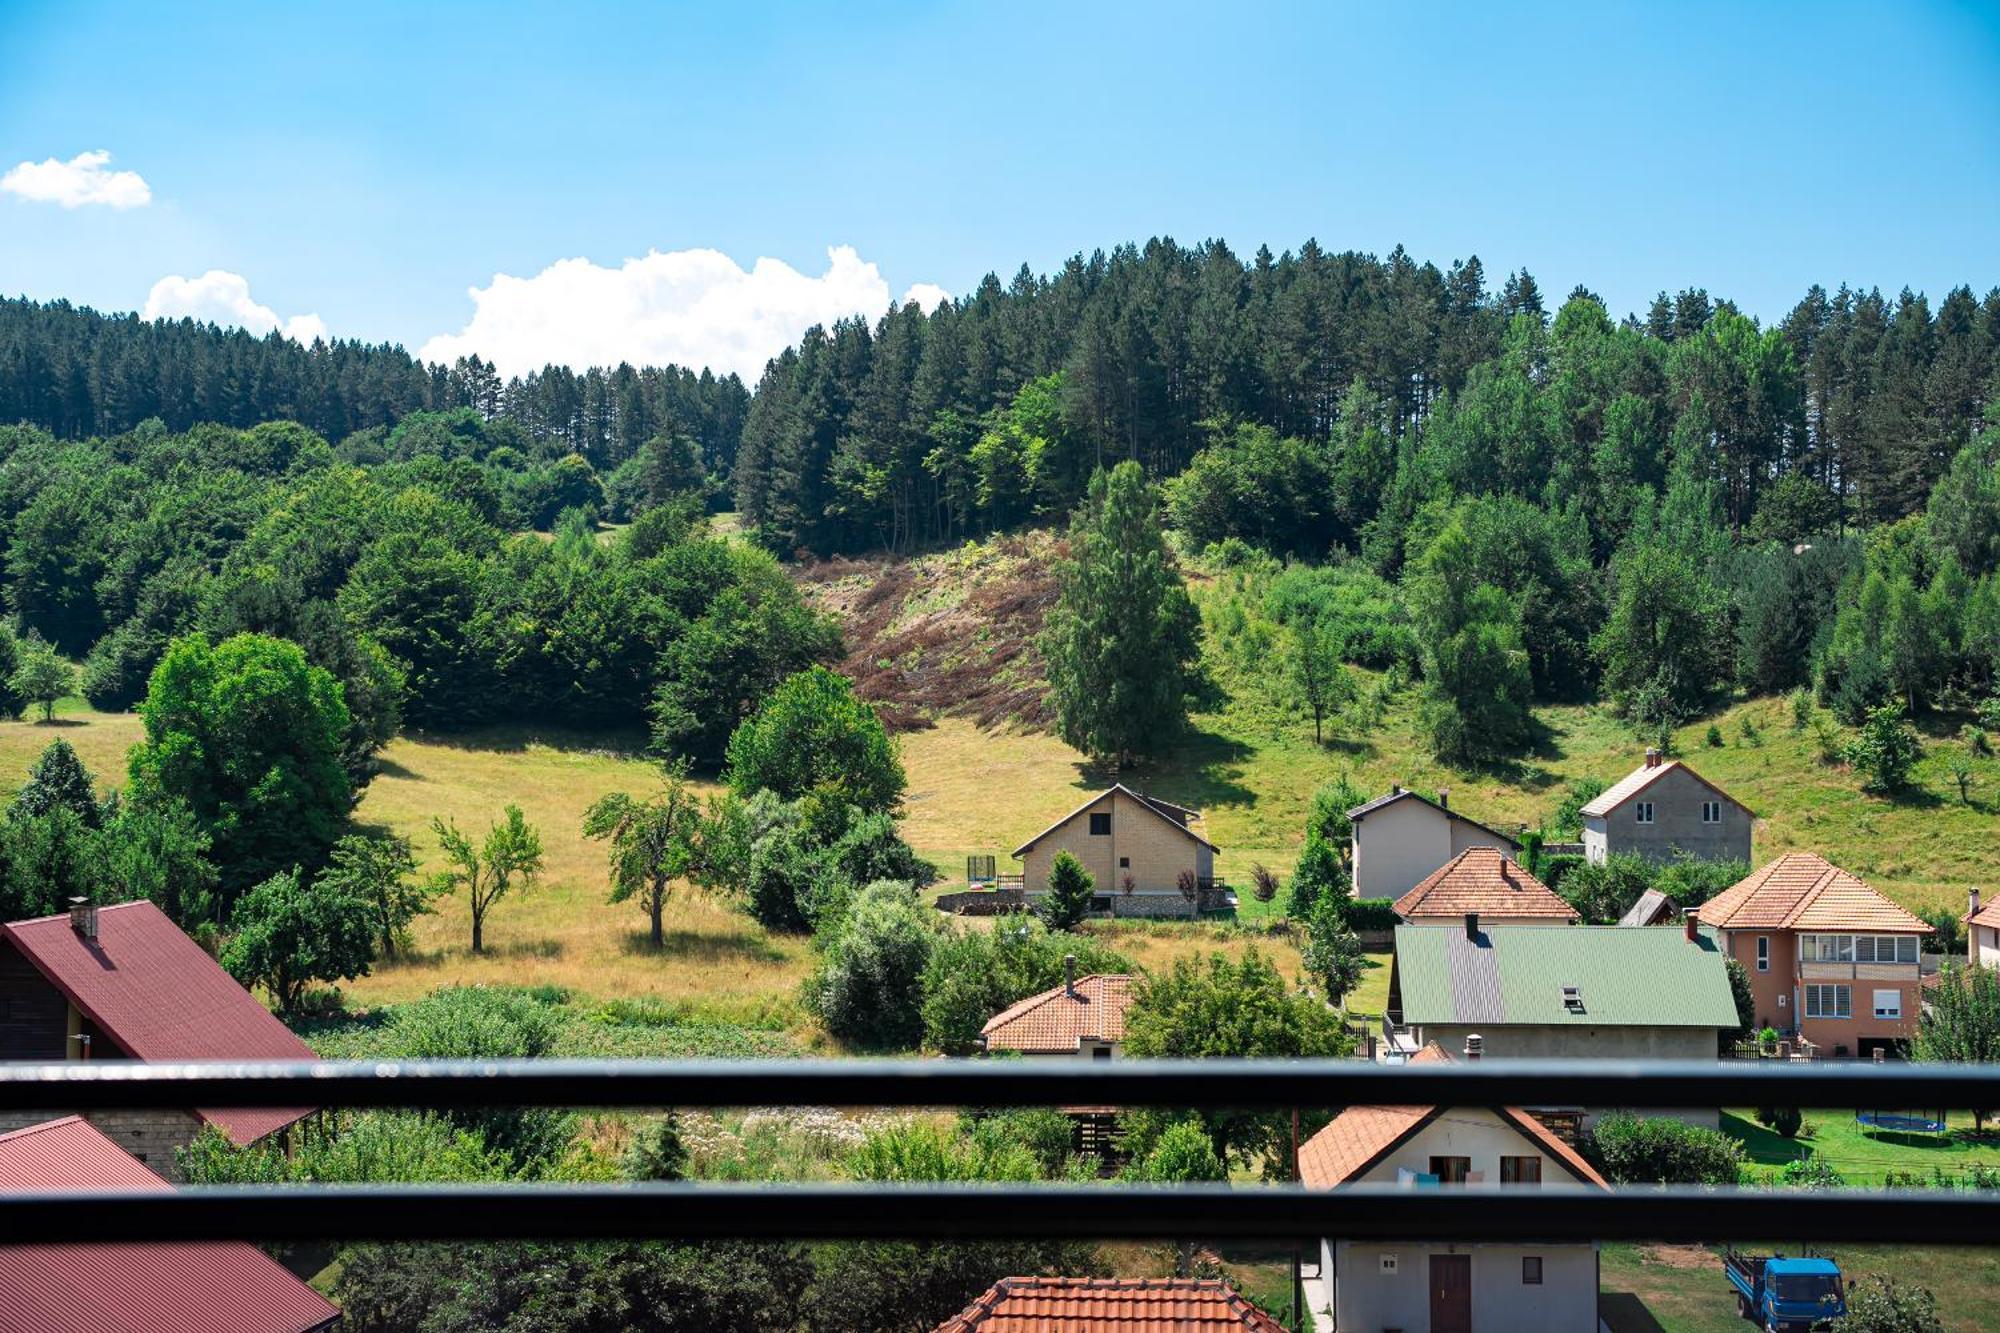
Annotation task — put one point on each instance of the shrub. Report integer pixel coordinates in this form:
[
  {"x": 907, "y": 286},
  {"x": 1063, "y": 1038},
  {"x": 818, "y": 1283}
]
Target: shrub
[
  {"x": 1886, "y": 750},
  {"x": 289, "y": 934},
  {"x": 1332, "y": 956},
  {"x": 1783, "y": 1121},
  {"x": 1662, "y": 1151},
  {"x": 1319, "y": 872},
  {"x": 656, "y": 1151},
  {"x": 1067, "y": 900},
  {"x": 813, "y": 737},
  {"x": 973, "y": 975},
  {"x": 1183, "y": 1153},
  {"x": 1877, "y": 1303},
  {"x": 1714, "y": 738},
  {"x": 1802, "y": 709},
  {"x": 488, "y": 1023},
  {"x": 868, "y": 986},
  {"x": 1977, "y": 739},
  {"x": 1263, "y": 882},
  {"x": 1370, "y": 913},
  {"x": 1329, "y": 810},
  {"x": 1810, "y": 1173}
]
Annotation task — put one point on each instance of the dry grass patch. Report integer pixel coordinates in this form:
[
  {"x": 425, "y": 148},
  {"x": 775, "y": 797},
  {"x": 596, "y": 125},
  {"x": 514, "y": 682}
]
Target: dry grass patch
[{"x": 99, "y": 739}]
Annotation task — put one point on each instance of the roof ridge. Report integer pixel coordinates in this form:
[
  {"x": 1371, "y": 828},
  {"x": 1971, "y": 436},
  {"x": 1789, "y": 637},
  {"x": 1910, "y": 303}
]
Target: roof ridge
[{"x": 42, "y": 1126}]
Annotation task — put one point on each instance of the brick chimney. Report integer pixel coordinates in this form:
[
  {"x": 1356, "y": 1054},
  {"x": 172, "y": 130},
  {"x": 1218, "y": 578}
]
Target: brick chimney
[
  {"x": 1688, "y": 923},
  {"x": 1069, "y": 975},
  {"x": 83, "y": 917},
  {"x": 1652, "y": 756},
  {"x": 1472, "y": 925}
]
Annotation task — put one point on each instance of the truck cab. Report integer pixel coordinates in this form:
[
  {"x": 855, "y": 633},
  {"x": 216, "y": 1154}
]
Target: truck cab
[{"x": 1786, "y": 1294}]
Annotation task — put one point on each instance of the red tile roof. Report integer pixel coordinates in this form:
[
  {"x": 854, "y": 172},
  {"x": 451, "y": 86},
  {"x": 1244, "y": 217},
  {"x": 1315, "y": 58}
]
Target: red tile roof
[
  {"x": 1358, "y": 1137},
  {"x": 1987, "y": 915},
  {"x": 1643, "y": 777},
  {"x": 1110, "y": 1304},
  {"x": 1805, "y": 891},
  {"x": 225, "y": 1287},
  {"x": 1056, "y": 1022},
  {"x": 1483, "y": 880},
  {"x": 159, "y": 995}
]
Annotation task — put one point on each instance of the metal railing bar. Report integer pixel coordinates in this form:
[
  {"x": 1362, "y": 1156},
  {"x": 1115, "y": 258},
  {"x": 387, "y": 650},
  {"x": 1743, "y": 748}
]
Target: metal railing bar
[
  {"x": 116, "y": 1084},
  {"x": 969, "y": 1212}
]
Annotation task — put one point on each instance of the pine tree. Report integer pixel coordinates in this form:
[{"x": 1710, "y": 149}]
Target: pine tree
[
  {"x": 1067, "y": 900},
  {"x": 1122, "y": 638}
]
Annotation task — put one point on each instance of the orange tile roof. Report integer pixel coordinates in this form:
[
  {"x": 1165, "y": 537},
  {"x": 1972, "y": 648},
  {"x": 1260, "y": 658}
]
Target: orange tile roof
[
  {"x": 1805, "y": 891},
  {"x": 1486, "y": 881},
  {"x": 1987, "y": 915},
  {"x": 1641, "y": 778},
  {"x": 1356, "y": 1138},
  {"x": 1112, "y": 1304},
  {"x": 1056, "y": 1022}
]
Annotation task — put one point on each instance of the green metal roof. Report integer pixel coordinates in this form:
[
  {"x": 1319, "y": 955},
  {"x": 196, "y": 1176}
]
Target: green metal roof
[{"x": 1624, "y": 977}]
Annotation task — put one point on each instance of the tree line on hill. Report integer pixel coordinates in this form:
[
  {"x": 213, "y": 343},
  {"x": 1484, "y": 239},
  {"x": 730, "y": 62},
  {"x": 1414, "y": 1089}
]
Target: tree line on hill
[{"x": 76, "y": 373}]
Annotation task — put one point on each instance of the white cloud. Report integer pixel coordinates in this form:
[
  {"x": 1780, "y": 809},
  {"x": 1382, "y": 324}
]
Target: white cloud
[
  {"x": 221, "y": 297},
  {"x": 686, "y": 307},
  {"x": 926, "y": 294},
  {"x": 81, "y": 180}
]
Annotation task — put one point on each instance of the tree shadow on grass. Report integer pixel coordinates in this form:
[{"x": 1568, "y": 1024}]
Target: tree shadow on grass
[
  {"x": 516, "y": 737},
  {"x": 1764, "y": 1146},
  {"x": 703, "y": 947},
  {"x": 1202, "y": 771}
]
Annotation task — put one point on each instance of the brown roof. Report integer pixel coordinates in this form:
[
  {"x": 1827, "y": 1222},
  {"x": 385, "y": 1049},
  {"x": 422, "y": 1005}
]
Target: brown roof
[
  {"x": 1361, "y": 1136},
  {"x": 1056, "y": 1022},
  {"x": 1483, "y": 880},
  {"x": 1111, "y": 1304},
  {"x": 1987, "y": 915},
  {"x": 159, "y": 1287},
  {"x": 1805, "y": 891},
  {"x": 159, "y": 996},
  {"x": 1152, "y": 804},
  {"x": 1643, "y": 777}
]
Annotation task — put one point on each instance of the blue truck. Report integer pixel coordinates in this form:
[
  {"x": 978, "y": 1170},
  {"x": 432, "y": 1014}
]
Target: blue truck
[{"x": 1786, "y": 1294}]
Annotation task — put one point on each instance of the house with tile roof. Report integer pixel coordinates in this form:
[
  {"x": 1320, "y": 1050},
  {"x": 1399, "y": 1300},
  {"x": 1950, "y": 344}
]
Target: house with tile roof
[
  {"x": 157, "y": 1287},
  {"x": 1402, "y": 837},
  {"x": 1487, "y": 883},
  {"x": 1663, "y": 810},
  {"x": 1084, "y": 1017},
  {"x": 125, "y": 983},
  {"x": 1139, "y": 850},
  {"x": 1982, "y": 931},
  {"x": 1568, "y": 992},
  {"x": 1110, "y": 1305},
  {"x": 1435, "y": 1286},
  {"x": 1830, "y": 959}
]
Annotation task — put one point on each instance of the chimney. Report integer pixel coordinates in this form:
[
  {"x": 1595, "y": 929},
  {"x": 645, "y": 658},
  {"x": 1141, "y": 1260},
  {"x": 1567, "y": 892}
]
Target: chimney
[
  {"x": 1652, "y": 756},
  {"x": 83, "y": 918},
  {"x": 1396, "y": 790},
  {"x": 1444, "y": 797},
  {"x": 1472, "y": 925},
  {"x": 1069, "y": 975},
  {"x": 1689, "y": 923},
  {"x": 1972, "y": 902},
  {"x": 1475, "y": 1045}
]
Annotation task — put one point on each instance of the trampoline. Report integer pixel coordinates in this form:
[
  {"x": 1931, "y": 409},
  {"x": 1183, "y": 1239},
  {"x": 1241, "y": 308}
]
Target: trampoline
[{"x": 1903, "y": 1122}]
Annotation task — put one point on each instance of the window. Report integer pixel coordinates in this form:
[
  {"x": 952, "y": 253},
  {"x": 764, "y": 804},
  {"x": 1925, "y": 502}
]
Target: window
[
  {"x": 1531, "y": 1270},
  {"x": 1520, "y": 1170},
  {"x": 1101, "y": 1053},
  {"x": 1124, "y": 863},
  {"x": 1711, "y": 812},
  {"x": 1100, "y": 825},
  {"x": 1858, "y": 948},
  {"x": 1389, "y": 1265},
  {"x": 1451, "y": 1170},
  {"x": 1763, "y": 953},
  {"x": 1888, "y": 1004},
  {"x": 1642, "y": 811},
  {"x": 1829, "y": 1001}
]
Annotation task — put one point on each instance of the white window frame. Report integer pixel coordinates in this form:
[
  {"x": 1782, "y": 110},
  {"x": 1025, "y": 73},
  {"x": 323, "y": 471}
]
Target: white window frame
[
  {"x": 1711, "y": 812},
  {"x": 1818, "y": 993},
  {"x": 1892, "y": 1008},
  {"x": 1642, "y": 812},
  {"x": 1763, "y": 953}
]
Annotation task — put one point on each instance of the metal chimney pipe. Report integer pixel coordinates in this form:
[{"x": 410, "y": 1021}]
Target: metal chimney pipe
[
  {"x": 1069, "y": 975},
  {"x": 1472, "y": 925},
  {"x": 1475, "y": 1045}
]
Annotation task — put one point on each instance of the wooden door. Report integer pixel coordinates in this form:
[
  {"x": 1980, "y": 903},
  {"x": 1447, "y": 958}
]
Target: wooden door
[{"x": 1451, "y": 1293}]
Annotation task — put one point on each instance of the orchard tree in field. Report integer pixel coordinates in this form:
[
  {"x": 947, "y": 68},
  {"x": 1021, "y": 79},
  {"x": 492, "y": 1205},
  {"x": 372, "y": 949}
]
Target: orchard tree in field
[
  {"x": 381, "y": 872},
  {"x": 653, "y": 843},
  {"x": 288, "y": 933},
  {"x": 41, "y": 676},
  {"x": 510, "y": 855},
  {"x": 1123, "y": 635},
  {"x": 1960, "y": 1023},
  {"x": 1067, "y": 901},
  {"x": 1312, "y": 657},
  {"x": 249, "y": 734},
  {"x": 812, "y": 737}
]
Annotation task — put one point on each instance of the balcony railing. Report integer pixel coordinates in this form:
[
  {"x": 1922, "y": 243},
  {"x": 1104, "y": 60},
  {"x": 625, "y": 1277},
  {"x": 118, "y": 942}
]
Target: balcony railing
[{"x": 940, "y": 1212}]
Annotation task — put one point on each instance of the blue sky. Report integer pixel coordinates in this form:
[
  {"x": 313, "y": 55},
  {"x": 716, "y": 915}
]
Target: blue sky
[{"x": 368, "y": 164}]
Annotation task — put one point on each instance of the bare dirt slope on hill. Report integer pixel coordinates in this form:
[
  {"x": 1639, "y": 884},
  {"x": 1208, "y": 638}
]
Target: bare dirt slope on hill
[{"x": 950, "y": 634}]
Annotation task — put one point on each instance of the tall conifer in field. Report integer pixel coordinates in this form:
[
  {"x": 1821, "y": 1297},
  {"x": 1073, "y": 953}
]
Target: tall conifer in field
[{"x": 1121, "y": 639}]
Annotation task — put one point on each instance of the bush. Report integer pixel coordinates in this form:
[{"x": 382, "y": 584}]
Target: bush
[
  {"x": 1886, "y": 750},
  {"x": 1067, "y": 901},
  {"x": 656, "y": 1151},
  {"x": 1714, "y": 739},
  {"x": 1263, "y": 882},
  {"x": 289, "y": 934},
  {"x": 813, "y": 737},
  {"x": 1319, "y": 872},
  {"x": 488, "y": 1023},
  {"x": 1370, "y": 913},
  {"x": 868, "y": 988},
  {"x": 973, "y": 975},
  {"x": 1182, "y": 1154},
  {"x": 1783, "y": 1121},
  {"x": 1810, "y": 1173},
  {"x": 1876, "y": 1303},
  {"x": 1662, "y": 1151}
]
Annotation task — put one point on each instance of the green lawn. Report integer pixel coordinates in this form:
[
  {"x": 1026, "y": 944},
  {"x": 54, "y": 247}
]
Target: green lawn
[
  {"x": 1680, "y": 1288},
  {"x": 1865, "y": 1156}
]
